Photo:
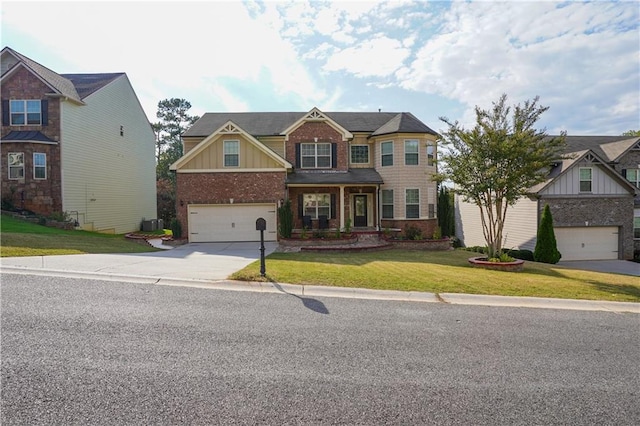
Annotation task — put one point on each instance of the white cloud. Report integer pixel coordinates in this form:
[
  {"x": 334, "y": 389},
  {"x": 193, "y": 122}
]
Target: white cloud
[
  {"x": 378, "y": 57},
  {"x": 575, "y": 57}
]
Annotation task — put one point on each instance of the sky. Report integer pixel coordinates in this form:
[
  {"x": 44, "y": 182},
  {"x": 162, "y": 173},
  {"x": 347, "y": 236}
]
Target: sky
[{"x": 433, "y": 59}]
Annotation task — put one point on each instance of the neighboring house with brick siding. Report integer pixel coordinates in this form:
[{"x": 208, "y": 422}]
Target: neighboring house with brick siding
[
  {"x": 593, "y": 197},
  {"x": 370, "y": 170},
  {"x": 75, "y": 143}
]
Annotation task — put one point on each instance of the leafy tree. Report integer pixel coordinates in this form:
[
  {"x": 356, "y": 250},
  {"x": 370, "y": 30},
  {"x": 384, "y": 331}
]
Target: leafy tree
[
  {"x": 446, "y": 219},
  {"x": 631, "y": 133},
  {"x": 496, "y": 162},
  {"x": 546, "y": 250},
  {"x": 174, "y": 120}
]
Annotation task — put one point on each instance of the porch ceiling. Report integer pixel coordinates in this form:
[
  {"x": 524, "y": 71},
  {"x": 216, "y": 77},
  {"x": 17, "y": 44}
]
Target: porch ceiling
[{"x": 351, "y": 177}]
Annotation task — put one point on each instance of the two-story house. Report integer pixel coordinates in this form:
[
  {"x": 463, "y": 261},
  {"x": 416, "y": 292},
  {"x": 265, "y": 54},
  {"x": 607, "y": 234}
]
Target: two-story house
[
  {"x": 367, "y": 170},
  {"x": 593, "y": 199},
  {"x": 75, "y": 143}
]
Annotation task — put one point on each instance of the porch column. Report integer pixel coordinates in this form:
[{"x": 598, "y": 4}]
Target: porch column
[{"x": 341, "y": 207}]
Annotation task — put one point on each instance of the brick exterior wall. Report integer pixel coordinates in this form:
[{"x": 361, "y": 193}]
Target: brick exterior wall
[
  {"x": 598, "y": 212},
  {"x": 40, "y": 196},
  {"x": 325, "y": 133},
  {"x": 428, "y": 226},
  {"x": 219, "y": 188}
]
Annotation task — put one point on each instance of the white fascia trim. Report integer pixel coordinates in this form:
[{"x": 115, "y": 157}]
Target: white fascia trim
[
  {"x": 231, "y": 171},
  {"x": 346, "y": 135}
]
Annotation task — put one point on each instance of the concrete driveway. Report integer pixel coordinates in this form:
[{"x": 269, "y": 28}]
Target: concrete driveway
[
  {"x": 624, "y": 267},
  {"x": 196, "y": 261}
]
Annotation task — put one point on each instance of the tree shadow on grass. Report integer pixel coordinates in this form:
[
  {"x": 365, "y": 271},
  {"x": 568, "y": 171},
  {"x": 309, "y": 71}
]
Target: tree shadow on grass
[{"x": 309, "y": 303}]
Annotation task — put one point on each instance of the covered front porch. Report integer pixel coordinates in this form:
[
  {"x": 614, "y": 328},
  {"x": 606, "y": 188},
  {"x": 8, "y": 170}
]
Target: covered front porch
[{"x": 335, "y": 200}]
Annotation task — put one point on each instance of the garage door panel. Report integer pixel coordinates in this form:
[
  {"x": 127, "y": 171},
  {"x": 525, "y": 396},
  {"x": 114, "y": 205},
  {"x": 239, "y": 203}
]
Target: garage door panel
[
  {"x": 231, "y": 222},
  {"x": 592, "y": 243}
]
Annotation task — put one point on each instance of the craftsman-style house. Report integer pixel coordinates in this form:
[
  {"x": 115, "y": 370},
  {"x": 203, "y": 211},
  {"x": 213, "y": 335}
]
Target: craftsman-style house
[
  {"x": 75, "y": 143},
  {"x": 593, "y": 197},
  {"x": 367, "y": 171}
]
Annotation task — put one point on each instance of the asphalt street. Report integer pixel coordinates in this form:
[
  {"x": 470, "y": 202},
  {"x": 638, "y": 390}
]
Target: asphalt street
[{"x": 80, "y": 351}]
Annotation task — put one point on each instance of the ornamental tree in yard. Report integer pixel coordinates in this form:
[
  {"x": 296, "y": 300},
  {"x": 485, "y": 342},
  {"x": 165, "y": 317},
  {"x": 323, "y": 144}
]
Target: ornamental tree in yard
[
  {"x": 546, "y": 246},
  {"x": 496, "y": 162}
]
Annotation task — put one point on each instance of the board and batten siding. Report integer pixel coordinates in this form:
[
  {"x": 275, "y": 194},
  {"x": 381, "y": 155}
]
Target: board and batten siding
[
  {"x": 107, "y": 178},
  {"x": 569, "y": 183},
  {"x": 212, "y": 157},
  {"x": 520, "y": 228}
]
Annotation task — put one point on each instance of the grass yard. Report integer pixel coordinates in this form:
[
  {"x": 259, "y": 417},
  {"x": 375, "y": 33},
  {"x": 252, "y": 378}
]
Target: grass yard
[
  {"x": 439, "y": 272},
  {"x": 22, "y": 238}
]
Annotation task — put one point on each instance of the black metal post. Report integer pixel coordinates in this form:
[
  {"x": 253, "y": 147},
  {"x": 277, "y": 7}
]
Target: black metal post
[{"x": 262, "y": 266}]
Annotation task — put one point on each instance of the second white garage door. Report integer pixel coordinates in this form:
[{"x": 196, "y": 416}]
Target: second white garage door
[
  {"x": 593, "y": 243},
  {"x": 230, "y": 222}
]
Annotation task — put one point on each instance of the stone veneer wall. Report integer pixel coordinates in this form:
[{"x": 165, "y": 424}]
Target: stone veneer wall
[
  {"x": 40, "y": 196},
  {"x": 220, "y": 188},
  {"x": 611, "y": 211}
]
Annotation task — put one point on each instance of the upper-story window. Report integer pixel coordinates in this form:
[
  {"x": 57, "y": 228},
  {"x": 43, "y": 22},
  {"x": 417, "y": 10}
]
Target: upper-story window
[
  {"x": 39, "y": 165},
  {"x": 315, "y": 155},
  {"x": 386, "y": 150},
  {"x": 411, "y": 152},
  {"x": 231, "y": 153},
  {"x": 16, "y": 165},
  {"x": 586, "y": 176},
  {"x": 359, "y": 154},
  {"x": 25, "y": 112},
  {"x": 633, "y": 176},
  {"x": 431, "y": 154}
]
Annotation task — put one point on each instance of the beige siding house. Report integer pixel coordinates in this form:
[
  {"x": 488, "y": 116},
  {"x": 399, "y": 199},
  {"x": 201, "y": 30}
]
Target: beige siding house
[
  {"x": 334, "y": 167},
  {"x": 100, "y": 158}
]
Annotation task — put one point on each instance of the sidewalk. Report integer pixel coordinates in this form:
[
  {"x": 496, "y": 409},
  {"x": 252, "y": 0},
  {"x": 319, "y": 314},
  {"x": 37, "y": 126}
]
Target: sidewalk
[{"x": 208, "y": 265}]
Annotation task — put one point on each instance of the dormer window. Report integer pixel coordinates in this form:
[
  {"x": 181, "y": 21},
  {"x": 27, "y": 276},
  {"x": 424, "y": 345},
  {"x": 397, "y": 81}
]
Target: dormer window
[{"x": 26, "y": 112}]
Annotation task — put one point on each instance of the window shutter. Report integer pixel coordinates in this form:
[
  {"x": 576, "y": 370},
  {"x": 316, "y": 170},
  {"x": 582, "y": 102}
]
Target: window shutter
[
  {"x": 624, "y": 173},
  {"x": 44, "y": 109},
  {"x": 5, "y": 112},
  {"x": 334, "y": 155},
  {"x": 298, "y": 156},
  {"x": 333, "y": 206},
  {"x": 300, "y": 206}
]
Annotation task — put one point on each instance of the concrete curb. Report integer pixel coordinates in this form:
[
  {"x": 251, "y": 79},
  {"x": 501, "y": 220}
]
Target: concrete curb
[{"x": 345, "y": 292}]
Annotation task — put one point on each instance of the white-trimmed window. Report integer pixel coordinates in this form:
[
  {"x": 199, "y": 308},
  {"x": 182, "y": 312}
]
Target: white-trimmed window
[
  {"x": 633, "y": 176},
  {"x": 359, "y": 154},
  {"x": 25, "y": 112},
  {"x": 412, "y": 203},
  {"x": 386, "y": 152},
  {"x": 16, "y": 165},
  {"x": 586, "y": 176},
  {"x": 431, "y": 154},
  {"x": 387, "y": 203},
  {"x": 231, "y": 153},
  {"x": 411, "y": 152},
  {"x": 39, "y": 165},
  {"x": 315, "y": 155},
  {"x": 636, "y": 227},
  {"x": 316, "y": 205}
]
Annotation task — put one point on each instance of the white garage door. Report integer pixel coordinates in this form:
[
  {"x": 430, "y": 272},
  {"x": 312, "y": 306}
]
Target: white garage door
[
  {"x": 230, "y": 222},
  {"x": 593, "y": 243}
]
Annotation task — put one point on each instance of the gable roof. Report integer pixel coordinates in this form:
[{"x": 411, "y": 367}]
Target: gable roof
[
  {"x": 87, "y": 84},
  {"x": 609, "y": 148},
  {"x": 563, "y": 166},
  {"x": 228, "y": 127},
  {"x": 274, "y": 123},
  {"x": 76, "y": 87}
]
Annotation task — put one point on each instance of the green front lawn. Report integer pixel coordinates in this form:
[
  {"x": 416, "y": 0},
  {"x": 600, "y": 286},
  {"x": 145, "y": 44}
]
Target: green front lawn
[
  {"x": 22, "y": 238},
  {"x": 439, "y": 272}
]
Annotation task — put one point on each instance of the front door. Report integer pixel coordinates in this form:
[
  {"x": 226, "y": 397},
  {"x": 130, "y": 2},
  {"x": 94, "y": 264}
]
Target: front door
[{"x": 360, "y": 210}]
